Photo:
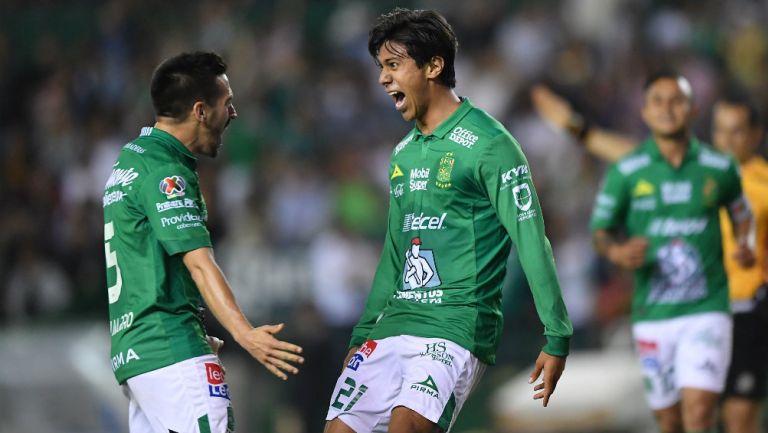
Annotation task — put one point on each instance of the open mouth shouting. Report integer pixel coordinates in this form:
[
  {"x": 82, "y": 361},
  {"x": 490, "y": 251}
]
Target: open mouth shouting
[{"x": 399, "y": 98}]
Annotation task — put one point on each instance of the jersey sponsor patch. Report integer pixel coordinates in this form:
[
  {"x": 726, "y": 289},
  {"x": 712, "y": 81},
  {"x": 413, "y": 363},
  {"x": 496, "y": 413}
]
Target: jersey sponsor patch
[
  {"x": 122, "y": 177},
  {"x": 419, "y": 269},
  {"x": 173, "y": 186},
  {"x": 643, "y": 188},
  {"x": 176, "y": 204},
  {"x": 463, "y": 136},
  {"x": 362, "y": 354},
  {"x": 678, "y": 276},
  {"x": 216, "y": 385},
  {"x": 397, "y": 172},
  {"x": 523, "y": 201}
]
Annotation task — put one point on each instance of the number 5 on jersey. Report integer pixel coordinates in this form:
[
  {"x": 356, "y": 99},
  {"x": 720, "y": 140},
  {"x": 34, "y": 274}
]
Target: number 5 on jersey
[{"x": 114, "y": 290}]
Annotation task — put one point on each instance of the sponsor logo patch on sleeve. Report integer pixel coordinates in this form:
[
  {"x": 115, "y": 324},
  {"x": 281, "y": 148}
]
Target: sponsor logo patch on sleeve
[{"x": 173, "y": 186}]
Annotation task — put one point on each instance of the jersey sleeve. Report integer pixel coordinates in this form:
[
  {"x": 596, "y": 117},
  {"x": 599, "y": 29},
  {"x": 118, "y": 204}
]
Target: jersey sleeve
[
  {"x": 385, "y": 281},
  {"x": 503, "y": 173},
  {"x": 175, "y": 208},
  {"x": 612, "y": 201},
  {"x": 733, "y": 198}
]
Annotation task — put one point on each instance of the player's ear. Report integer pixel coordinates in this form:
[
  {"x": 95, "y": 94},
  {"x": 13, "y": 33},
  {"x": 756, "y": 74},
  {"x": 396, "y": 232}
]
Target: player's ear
[
  {"x": 435, "y": 67},
  {"x": 198, "y": 110}
]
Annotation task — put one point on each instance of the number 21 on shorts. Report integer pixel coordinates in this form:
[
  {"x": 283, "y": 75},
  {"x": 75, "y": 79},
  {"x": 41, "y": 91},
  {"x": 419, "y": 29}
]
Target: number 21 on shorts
[{"x": 347, "y": 392}]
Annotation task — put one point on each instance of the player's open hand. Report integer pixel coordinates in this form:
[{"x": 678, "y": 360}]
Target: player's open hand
[
  {"x": 552, "y": 368},
  {"x": 277, "y": 356},
  {"x": 744, "y": 256}
]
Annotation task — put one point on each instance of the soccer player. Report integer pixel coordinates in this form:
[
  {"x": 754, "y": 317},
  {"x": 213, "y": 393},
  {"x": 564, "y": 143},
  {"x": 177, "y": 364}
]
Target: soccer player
[
  {"x": 737, "y": 129},
  {"x": 461, "y": 196},
  {"x": 160, "y": 262},
  {"x": 657, "y": 214}
]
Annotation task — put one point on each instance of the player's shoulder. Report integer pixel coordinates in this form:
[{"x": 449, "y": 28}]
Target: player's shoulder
[
  {"x": 481, "y": 131},
  {"x": 638, "y": 159},
  {"x": 711, "y": 158}
]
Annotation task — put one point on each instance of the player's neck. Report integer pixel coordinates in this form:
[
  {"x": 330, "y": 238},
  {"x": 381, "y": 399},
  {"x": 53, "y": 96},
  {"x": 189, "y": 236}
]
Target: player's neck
[
  {"x": 673, "y": 149},
  {"x": 184, "y": 131},
  {"x": 442, "y": 104}
]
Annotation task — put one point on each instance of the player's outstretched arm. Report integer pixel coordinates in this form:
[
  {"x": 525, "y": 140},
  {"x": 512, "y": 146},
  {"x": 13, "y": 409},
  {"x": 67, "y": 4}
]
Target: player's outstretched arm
[
  {"x": 606, "y": 145},
  {"x": 277, "y": 356},
  {"x": 550, "y": 368}
]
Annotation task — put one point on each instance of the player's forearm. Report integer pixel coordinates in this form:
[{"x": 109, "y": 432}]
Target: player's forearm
[
  {"x": 608, "y": 146},
  {"x": 603, "y": 243},
  {"x": 216, "y": 292}
]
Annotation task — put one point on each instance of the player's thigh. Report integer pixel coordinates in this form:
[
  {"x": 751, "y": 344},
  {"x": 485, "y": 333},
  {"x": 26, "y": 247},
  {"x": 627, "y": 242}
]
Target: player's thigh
[
  {"x": 366, "y": 389},
  {"x": 438, "y": 376},
  {"x": 189, "y": 396},
  {"x": 655, "y": 345},
  {"x": 669, "y": 419},
  {"x": 406, "y": 420},
  {"x": 704, "y": 352}
]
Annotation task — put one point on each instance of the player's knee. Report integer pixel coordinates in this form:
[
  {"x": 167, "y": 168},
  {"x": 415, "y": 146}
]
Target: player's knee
[
  {"x": 669, "y": 421},
  {"x": 741, "y": 416}
]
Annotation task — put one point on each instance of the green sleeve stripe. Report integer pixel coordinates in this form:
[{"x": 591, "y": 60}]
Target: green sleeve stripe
[{"x": 173, "y": 247}]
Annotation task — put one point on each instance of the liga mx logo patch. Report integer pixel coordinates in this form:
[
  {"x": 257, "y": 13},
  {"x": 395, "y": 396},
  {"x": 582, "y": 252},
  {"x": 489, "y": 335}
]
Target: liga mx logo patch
[
  {"x": 173, "y": 186},
  {"x": 216, "y": 385}
]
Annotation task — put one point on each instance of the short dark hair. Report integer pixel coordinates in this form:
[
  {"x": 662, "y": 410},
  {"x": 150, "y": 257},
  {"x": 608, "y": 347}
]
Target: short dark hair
[
  {"x": 671, "y": 75},
  {"x": 180, "y": 81},
  {"x": 423, "y": 33},
  {"x": 740, "y": 99}
]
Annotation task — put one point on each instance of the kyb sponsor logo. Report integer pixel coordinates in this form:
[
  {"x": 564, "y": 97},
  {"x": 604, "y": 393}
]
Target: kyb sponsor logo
[
  {"x": 413, "y": 222},
  {"x": 415, "y": 183},
  {"x": 438, "y": 352},
  {"x": 176, "y": 204},
  {"x": 178, "y": 219},
  {"x": 463, "y": 136},
  {"x": 671, "y": 227},
  {"x": 122, "y": 177},
  {"x": 676, "y": 192},
  {"x": 514, "y": 173},
  {"x": 216, "y": 385}
]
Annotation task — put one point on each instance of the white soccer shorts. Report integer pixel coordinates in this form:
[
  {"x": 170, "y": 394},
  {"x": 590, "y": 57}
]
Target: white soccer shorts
[
  {"x": 190, "y": 396},
  {"x": 691, "y": 351},
  {"x": 431, "y": 376}
]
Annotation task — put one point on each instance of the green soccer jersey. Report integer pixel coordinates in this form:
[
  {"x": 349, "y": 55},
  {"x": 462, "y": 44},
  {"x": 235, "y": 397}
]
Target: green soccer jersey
[
  {"x": 676, "y": 209},
  {"x": 459, "y": 198},
  {"x": 153, "y": 212}
]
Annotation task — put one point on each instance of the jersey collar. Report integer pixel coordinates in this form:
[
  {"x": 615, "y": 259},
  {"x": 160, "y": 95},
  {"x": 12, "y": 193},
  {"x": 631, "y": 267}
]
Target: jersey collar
[
  {"x": 448, "y": 124},
  {"x": 694, "y": 146},
  {"x": 169, "y": 141}
]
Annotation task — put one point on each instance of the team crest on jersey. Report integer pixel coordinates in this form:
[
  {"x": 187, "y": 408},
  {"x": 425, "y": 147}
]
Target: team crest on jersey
[
  {"x": 173, "y": 186},
  {"x": 444, "y": 171}
]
